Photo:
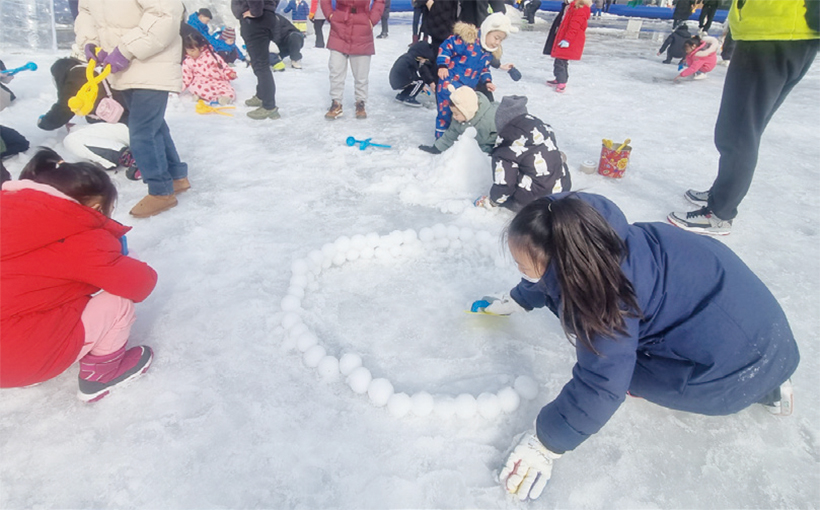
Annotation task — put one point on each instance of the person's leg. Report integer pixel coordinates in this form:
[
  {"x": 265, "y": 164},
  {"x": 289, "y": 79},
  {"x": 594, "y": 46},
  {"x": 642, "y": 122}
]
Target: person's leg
[
  {"x": 561, "y": 70},
  {"x": 761, "y": 76},
  {"x": 320, "y": 36},
  {"x": 146, "y": 123},
  {"x": 107, "y": 321},
  {"x": 14, "y": 141},
  {"x": 710, "y": 16},
  {"x": 444, "y": 115},
  {"x": 385, "y": 18},
  {"x": 416, "y": 18},
  {"x": 337, "y": 65},
  {"x": 295, "y": 43},
  {"x": 360, "y": 66},
  {"x": 257, "y": 35},
  {"x": 100, "y": 143}
]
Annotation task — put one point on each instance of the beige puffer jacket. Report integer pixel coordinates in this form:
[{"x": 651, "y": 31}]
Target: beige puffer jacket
[{"x": 147, "y": 34}]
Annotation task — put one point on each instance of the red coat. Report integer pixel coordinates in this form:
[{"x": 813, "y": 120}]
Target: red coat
[
  {"x": 54, "y": 254},
  {"x": 351, "y": 25},
  {"x": 573, "y": 30}
]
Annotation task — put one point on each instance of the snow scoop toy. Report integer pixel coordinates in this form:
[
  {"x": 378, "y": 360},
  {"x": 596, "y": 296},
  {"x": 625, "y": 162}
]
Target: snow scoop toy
[
  {"x": 364, "y": 144},
  {"x": 83, "y": 102},
  {"x": 30, "y": 66},
  {"x": 204, "y": 108},
  {"x": 480, "y": 307},
  {"x": 613, "y": 160}
]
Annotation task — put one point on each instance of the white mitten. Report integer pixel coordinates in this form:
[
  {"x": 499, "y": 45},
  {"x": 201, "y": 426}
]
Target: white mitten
[
  {"x": 528, "y": 468},
  {"x": 505, "y": 305}
]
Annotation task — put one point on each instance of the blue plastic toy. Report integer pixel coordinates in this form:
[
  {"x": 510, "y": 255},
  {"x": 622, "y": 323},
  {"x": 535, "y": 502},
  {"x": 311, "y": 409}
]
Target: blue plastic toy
[
  {"x": 479, "y": 306},
  {"x": 30, "y": 66},
  {"x": 363, "y": 144}
]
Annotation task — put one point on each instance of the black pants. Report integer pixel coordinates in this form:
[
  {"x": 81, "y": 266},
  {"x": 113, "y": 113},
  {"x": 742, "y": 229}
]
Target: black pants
[
  {"x": 385, "y": 16},
  {"x": 530, "y": 9},
  {"x": 707, "y": 15},
  {"x": 728, "y": 46},
  {"x": 561, "y": 70},
  {"x": 292, "y": 46},
  {"x": 14, "y": 141},
  {"x": 320, "y": 36},
  {"x": 258, "y": 33},
  {"x": 760, "y": 77}
]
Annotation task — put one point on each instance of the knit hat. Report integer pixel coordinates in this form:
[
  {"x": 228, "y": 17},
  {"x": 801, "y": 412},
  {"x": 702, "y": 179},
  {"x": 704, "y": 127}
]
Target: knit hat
[
  {"x": 495, "y": 21},
  {"x": 465, "y": 100},
  {"x": 510, "y": 108},
  {"x": 228, "y": 33}
]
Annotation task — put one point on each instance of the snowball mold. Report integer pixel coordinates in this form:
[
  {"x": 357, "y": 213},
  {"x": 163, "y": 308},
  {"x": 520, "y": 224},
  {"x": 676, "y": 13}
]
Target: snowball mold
[{"x": 349, "y": 367}]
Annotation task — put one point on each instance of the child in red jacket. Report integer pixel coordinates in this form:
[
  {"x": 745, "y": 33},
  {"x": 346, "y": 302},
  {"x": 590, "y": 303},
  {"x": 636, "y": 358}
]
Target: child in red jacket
[
  {"x": 568, "y": 40},
  {"x": 67, "y": 288}
]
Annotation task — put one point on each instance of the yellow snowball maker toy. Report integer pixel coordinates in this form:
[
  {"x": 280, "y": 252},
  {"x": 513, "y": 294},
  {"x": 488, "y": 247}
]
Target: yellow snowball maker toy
[
  {"x": 83, "y": 102},
  {"x": 202, "y": 108}
]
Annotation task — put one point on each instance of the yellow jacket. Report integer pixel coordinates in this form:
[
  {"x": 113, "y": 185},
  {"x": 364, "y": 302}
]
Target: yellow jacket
[{"x": 770, "y": 20}]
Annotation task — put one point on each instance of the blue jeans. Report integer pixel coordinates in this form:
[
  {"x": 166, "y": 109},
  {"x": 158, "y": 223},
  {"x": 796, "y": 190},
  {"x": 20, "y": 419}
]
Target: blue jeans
[{"x": 151, "y": 142}]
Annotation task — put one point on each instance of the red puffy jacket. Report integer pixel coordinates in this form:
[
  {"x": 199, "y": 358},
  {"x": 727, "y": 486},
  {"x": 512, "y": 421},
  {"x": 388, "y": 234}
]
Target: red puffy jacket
[
  {"x": 573, "y": 30},
  {"x": 351, "y": 25},
  {"x": 54, "y": 254}
]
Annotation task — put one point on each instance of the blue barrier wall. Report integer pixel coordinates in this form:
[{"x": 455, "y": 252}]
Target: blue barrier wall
[{"x": 617, "y": 9}]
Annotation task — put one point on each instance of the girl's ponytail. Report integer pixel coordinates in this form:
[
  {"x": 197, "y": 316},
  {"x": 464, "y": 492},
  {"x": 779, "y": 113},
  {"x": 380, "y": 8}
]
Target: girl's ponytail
[
  {"x": 84, "y": 182},
  {"x": 596, "y": 296}
]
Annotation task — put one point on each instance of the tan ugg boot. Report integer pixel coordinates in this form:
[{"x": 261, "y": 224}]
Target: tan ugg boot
[
  {"x": 153, "y": 204},
  {"x": 181, "y": 185}
]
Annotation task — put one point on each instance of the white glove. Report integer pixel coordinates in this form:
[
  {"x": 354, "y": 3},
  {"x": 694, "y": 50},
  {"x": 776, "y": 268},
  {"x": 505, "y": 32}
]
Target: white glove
[
  {"x": 505, "y": 305},
  {"x": 563, "y": 44},
  {"x": 528, "y": 468}
]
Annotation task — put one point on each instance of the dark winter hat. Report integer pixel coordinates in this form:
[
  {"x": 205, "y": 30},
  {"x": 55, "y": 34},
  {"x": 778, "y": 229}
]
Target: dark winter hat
[
  {"x": 510, "y": 108},
  {"x": 205, "y": 12}
]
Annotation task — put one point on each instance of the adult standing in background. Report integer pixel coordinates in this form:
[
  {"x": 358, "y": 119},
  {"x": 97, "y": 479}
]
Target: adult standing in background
[
  {"x": 140, "y": 41},
  {"x": 475, "y": 11},
  {"x": 438, "y": 20},
  {"x": 683, "y": 9},
  {"x": 350, "y": 41},
  {"x": 707, "y": 14},
  {"x": 257, "y": 24},
  {"x": 776, "y": 44},
  {"x": 317, "y": 16},
  {"x": 385, "y": 19}
]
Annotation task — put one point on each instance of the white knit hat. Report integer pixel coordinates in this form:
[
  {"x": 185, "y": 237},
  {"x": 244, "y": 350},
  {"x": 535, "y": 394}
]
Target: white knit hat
[
  {"x": 495, "y": 21},
  {"x": 465, "y": 100}
]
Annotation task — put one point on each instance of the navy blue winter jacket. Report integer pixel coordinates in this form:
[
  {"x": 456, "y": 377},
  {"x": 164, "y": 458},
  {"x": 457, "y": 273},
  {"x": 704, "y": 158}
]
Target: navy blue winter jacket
[{"x": 711, "y": 340}]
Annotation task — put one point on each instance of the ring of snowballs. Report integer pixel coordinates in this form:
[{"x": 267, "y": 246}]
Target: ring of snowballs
[{"x": 380, "y": 391}]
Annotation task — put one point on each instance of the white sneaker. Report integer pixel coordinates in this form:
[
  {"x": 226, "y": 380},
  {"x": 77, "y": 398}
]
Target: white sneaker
[
  {"x": 785, "y": 404},
  {"x": 699, "y": 76},
  {"x": 296, "y": 64}
]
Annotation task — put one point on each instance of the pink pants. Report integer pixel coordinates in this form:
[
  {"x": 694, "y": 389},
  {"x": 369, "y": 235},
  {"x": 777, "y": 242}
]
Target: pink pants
[{"x": 107, "y": 320}]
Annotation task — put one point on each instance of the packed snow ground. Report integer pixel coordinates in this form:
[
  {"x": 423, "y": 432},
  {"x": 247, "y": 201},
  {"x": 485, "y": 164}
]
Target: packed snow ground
[{"x": 229, "y": 418}]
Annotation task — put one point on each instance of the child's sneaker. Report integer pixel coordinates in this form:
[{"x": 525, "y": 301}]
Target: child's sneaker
[
  {"x": 101, "y": 374},
  {"x": 702, "y": 221},
  {"x": 561, "y": 87},
  {"x": 699, "y": 76},
  {"x": 360, "y": 111},
  {"x": 699, "y": 198},
  {"x": 253, "y": 102},
  {"x": 278, "y": 67},
  {"x": 224, "y": 100},
  {"x": 552, "y": 82},
  {"x": 335, "y": 110},
  {"x": 133, "y": 173},
  {"x": 781, "y": 401}
]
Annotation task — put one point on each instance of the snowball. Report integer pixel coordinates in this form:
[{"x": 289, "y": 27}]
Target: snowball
[
  {"x": 453, "y": 232},
  {"x": 313, "y": 356},
  {"x": 349, "y": 362},
  {"x": 299, "y": 266},
  {"x": 395, "y": 238},
  {"x": 328, "y": 250},
  {"x": 484, "y": 237},
  {"x": 409, "y": 236},
  {"x": 455, "y": 244},
  {"x": 466, "y": 406},
  {"x": 439, "y": 231},
  {"x": 316, "y": 257},
  {"x": 342, "y": 243},
  {"x": 442, "y": 243},
  {"x": 465, "y": 234},
  {"x": 426, "y": 235},
  {"x": 488, "y": 405},
  {"x": 396, "y": 251},
  {"x": 299, "y": 280},
  {"x": 526, "y": 387},
  {"x": 298, "y": 329},
  {"x": 423, "y": 404},
  {"x": 367, "y": 252},
  {"x": 359, "y": 380},
  {"x": 290, "y": 319},
  {"x": 290, "y": 303},
  {"x": 352, "y": 254},
  {"x": 328, "y": 368},
  {"x": 306, "y": 340},
  {"x": 509, "y": 399},
  {"x": 399, "y": 404},
  {"x": 379, "y": 391},
  {"x": 372, "y": 239},
  {"x": 297, "y": 292},
  {"x": 357, "y": 242},
  {"x": 340, "y": 258},
  {"x": 445, "y": 407},
  {"x": 382, "y": 253}
]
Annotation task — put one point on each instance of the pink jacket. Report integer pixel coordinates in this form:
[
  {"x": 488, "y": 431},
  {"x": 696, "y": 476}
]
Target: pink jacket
[
  {"x": 703, "y": 59},
  {"x": 208, "y": 76},
  {"x": 351, "y": 25}
]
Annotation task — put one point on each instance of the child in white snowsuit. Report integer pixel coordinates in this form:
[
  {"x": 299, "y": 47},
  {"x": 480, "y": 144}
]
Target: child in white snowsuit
[{"x": 526, "y": 161}]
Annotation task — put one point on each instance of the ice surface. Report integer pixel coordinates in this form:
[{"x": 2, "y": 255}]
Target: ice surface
[{"x": 229, "y": 416}]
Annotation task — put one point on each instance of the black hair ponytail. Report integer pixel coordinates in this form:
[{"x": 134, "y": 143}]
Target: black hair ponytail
[
  {"x": 596, "y": 296},
  {"x": 84, "y": 182}
]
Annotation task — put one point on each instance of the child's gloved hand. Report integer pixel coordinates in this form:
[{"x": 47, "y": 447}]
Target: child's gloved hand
[
  {"x": 563, "y": 44},
  {"x": 116, "y": 60},
  {"x": 430, "y": 148},
  {"x": 515, "y": 74},
  {"x": 528, "y": 468},
  {"x": 485, "y": 202},
  {"x": 494, "y": 305}
]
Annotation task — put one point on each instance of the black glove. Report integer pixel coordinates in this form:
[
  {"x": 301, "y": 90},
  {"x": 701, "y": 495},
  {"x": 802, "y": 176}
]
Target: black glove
[{"x": 429, "y": 148}]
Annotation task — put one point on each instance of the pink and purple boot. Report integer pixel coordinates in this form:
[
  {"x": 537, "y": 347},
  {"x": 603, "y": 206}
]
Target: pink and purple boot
[{"x": 101, "y": 374}]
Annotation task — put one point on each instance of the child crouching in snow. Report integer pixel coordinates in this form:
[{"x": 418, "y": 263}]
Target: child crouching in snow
[
  {"x": 701, "y": 57},
  {"x": 469, "y": 109},
  {"x": 204, "y": 72},
  {"x": 68, "y": 289},
  {"x": 413, "y": 72},
  {"x": 526, "y": 161}
]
